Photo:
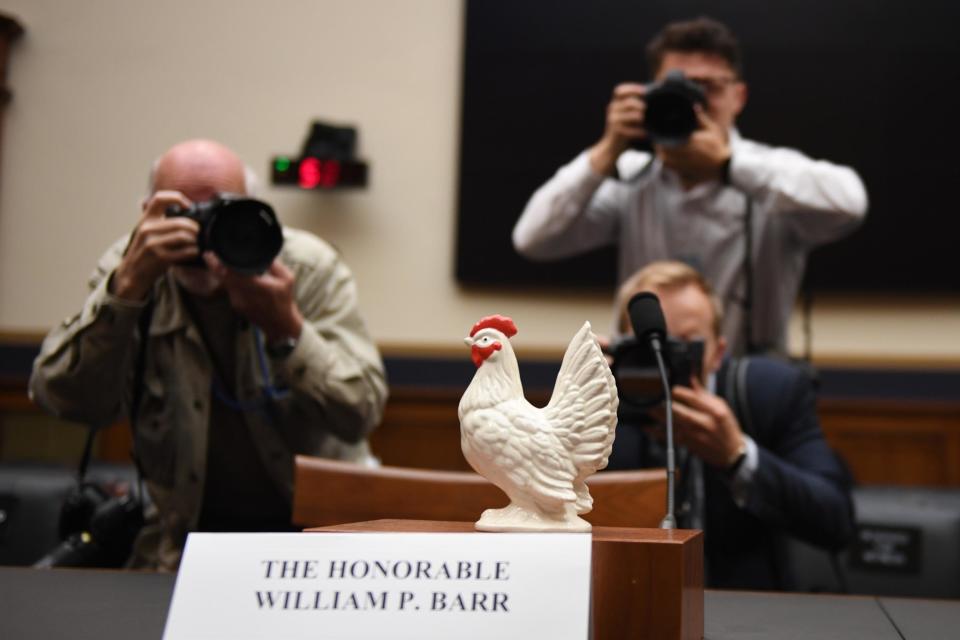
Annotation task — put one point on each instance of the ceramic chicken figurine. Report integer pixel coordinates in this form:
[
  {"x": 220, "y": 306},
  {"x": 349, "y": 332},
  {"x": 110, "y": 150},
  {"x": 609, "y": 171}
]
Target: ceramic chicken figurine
[{"x": 540, "y": 458}]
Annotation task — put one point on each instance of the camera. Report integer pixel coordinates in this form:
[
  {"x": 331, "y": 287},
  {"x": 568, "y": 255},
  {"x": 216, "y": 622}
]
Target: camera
[
  {"x": 670, "y": 117},
  {"x": 244, "y": 233},
  {"x": 638, "y": 377},
  {"x": 98, "y": 530}
]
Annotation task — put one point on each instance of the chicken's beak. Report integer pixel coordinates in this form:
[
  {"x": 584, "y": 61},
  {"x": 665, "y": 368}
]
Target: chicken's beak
[{"x": 468, "y": 341}]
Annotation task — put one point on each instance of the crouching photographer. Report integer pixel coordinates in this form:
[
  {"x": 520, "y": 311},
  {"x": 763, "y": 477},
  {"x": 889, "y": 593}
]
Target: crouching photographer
[
  {"x": 230, "y": 342},
  {"x": 752, "y": 460}
]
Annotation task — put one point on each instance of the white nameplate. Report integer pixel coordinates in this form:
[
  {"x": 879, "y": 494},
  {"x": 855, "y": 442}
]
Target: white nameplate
[{"x": 382, "y": 585}]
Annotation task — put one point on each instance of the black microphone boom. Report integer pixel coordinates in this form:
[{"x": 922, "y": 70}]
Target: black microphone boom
[{"x": 649, "y": 326}]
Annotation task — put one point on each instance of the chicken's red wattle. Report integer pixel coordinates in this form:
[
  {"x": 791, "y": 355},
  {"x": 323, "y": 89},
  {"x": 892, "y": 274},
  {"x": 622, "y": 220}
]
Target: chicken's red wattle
[{"x": 479, "y": 354}]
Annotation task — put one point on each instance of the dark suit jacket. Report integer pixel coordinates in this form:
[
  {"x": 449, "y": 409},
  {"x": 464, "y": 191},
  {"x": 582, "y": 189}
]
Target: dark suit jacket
[{"x": 800, "y": 487}]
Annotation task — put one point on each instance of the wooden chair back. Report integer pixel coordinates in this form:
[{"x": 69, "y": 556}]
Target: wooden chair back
[{"x": 328, "y": 492}]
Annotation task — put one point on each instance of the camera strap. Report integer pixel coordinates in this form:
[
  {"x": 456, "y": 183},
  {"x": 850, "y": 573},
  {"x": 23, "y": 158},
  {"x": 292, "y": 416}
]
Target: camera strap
[
  {"x": 639, "y": 175},
  {"x": 146, "y": 316},
  {"x": 219, "y": 371},
  {"x": 91, "y": 432},
  {"x": 806, "y": 293},
  {"x": 85, "y": 456},
  {"x": 221, "y": 388},
  {"x": 747, "y": 303}
]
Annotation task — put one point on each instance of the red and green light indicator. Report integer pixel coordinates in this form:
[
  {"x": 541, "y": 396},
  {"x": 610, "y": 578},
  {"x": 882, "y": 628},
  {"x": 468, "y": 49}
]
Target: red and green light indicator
[{"x": 318, "y": 173}]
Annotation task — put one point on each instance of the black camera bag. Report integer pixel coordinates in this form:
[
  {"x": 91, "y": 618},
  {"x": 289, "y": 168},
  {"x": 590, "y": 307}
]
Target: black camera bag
[{"x": 98, "y": 530}]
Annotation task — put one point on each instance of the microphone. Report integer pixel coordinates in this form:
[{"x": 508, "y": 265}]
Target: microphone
[
  {"x": 649, "y": 326},
  {"x": 646, "y": 318}
]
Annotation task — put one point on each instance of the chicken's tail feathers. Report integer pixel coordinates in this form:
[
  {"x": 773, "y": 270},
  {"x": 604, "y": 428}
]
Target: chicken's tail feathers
[
  {"x": 583, "y": 408},
  {"x": 584, "y": 499}
]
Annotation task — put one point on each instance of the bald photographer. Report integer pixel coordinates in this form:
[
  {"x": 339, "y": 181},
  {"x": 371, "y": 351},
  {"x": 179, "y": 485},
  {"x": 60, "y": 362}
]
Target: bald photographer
[{"x": 230, "y": 342}]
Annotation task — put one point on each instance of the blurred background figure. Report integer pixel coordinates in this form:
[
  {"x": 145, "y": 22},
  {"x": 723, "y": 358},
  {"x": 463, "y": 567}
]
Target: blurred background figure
[
  {"x": 744, "y": 214},
  {"x": 752, "y": 460}
]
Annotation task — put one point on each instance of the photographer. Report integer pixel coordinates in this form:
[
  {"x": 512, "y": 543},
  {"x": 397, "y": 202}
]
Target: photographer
[
  {"x": 753, "y": 463},
  {"x": 691, "y": 199},
  {"x": 241, "y": 368}
]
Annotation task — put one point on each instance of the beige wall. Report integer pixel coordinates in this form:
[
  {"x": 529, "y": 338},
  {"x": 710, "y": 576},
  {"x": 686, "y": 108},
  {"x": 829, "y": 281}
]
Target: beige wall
[{"x": 101, "y": 87}]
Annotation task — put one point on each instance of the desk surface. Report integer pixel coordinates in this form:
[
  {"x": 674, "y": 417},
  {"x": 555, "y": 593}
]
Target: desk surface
[{"x": 101, "y": 605}]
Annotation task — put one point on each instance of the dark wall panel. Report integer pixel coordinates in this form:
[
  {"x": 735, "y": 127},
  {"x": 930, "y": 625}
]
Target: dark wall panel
[{"x": 873, "y": 84}]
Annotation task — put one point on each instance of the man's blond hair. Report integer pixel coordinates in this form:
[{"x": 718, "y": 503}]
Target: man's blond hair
[{"x": 665, "y": 275}]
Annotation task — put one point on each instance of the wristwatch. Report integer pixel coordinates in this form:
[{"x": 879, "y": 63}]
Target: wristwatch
[
  {"x": 737, "y": 462},
  {"x": 282, "y": 349}
]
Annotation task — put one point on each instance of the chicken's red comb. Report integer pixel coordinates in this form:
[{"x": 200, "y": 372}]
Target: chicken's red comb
[{"x": 503, "y": 324}]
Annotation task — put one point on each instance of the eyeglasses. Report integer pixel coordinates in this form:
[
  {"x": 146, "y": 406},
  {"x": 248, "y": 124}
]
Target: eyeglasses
[{"x": 714, "y": 86}]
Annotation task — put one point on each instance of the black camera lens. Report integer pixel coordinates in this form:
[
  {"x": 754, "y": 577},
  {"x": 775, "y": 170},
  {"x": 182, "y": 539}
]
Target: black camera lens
[
  {"x": 245, "y": 234},
  {"x": 670, "y": 117}
]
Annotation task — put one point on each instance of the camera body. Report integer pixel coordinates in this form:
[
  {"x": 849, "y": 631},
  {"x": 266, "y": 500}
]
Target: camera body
[
  {"x": 638, "y": 377},
  {"x": 670, "y": 117},
  {"x": 98, "y": 530},
  {"x": 244, "y": 233}
]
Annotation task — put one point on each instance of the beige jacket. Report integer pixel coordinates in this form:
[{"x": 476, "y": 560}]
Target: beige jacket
[{"x": 84, "y": 372}]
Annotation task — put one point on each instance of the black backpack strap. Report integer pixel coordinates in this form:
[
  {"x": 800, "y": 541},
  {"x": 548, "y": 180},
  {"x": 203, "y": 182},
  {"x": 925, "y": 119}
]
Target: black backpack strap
[
  {"x": 748, "y": 285},
  {"x": 736, "y": 391}
]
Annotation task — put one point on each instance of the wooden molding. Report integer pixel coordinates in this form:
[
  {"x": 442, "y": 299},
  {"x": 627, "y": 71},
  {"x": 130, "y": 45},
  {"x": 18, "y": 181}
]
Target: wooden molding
[
  {"x": 895, "y": 442},
  {"x": 427, "y": 351},
  {"x": 839, "y": 360},
  {"x": 21, "y": 338}
]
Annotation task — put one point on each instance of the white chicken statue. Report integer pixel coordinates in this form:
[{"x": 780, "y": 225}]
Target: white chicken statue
[{"x": 540, "y": 458}]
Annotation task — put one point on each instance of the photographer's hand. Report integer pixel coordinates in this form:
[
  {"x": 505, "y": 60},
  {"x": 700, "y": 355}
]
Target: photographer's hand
[
  {"x": 157, "y": 243},
  {"x": 624, "y": 124},
  {"x": 266, "y": 300},
  {"x": 706, "y": 425},
  {"x": 704, "y": 155}
]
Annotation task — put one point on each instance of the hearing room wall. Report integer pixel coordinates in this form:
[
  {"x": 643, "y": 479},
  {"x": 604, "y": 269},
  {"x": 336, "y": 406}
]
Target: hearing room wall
[{"x": 101, "y": 87}]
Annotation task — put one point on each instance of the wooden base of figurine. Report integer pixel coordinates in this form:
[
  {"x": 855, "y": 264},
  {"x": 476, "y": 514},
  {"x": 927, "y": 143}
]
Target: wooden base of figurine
[{"x": 646, "y": 583}]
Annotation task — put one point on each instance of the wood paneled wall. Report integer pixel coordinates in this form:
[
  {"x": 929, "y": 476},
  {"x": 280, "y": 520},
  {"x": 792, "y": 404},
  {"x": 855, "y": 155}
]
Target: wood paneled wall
[
  {"x": 896, "y": 442},
  {"x": 901, "y": 442},
  {"x": 883, "y": 442}
]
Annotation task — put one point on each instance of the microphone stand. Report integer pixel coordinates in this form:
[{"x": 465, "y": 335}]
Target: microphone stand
[
  {"x": 669, "y": 520},
  {"x": 646, "y": 318}
]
